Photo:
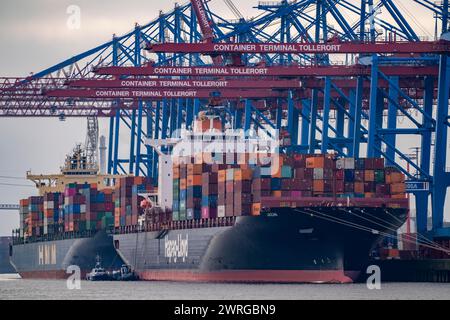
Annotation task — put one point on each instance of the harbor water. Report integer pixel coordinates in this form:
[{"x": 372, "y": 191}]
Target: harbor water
[{"x": 12, "y": 287}]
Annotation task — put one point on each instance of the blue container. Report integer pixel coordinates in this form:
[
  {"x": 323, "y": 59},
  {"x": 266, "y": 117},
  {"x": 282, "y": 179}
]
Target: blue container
[
  {"x": 266, "y": 172},
  {"x": 209, "y": 201},
  {"x": 256, "y": 172},
  {"x": 193, "y": 214},
  {"x": 176, "y": 206},
  {"x": 194, "y": 191},
  {"x": 275, "y": 184},
  {"x": 349, "y": 175},
  {"x": 197, "y": 214},
  {"x": 100, "y": 197}
]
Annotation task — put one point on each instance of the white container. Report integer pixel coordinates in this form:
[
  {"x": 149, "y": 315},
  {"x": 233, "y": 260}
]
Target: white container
[
  {"x": 221, "y": 211},
  {"x": 340, "y": 164},
  {"x": 318, "y": 174},
  {"x": 349, "y": 163},
  {"x": 82, "y": 208},
  {"x": 49, "y": 205}
]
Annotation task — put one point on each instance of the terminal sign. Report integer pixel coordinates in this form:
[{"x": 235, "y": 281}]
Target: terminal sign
[{"x": 415, "y": 186}]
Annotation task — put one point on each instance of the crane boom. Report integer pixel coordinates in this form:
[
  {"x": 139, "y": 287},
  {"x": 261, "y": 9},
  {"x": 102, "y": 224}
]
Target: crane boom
[{"x": 205, "y": 26}]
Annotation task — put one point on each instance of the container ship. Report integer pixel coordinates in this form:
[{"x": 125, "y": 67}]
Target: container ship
[
  {"x": 67, "y": 224},
  {"x": 218, "y": 212},
  {"x": 224, "y": 215},
  {"x": 5, "y": 265}
]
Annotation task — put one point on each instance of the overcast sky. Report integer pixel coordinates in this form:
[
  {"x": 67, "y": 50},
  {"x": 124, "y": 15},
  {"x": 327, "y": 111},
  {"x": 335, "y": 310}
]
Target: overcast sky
[{"x": 34, "y": 35}]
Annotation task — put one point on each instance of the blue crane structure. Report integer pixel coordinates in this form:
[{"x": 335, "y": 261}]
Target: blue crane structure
[{"x": 353, "y": 114}]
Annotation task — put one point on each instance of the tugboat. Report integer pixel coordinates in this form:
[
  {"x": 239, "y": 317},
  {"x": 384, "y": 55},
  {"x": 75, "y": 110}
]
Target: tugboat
[
  {"x": 98, "y": 273},
  {"x": 125, "y": 274}
]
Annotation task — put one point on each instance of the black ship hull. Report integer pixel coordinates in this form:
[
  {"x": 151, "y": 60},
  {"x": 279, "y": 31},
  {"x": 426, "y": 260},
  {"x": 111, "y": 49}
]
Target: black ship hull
[
  {"x": 284, "y": 246},
  {"x": 51, "y": 259}
]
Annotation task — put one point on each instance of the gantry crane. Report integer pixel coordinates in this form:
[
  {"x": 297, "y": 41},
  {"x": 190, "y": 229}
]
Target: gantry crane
[{"x": 317, "y": 64}]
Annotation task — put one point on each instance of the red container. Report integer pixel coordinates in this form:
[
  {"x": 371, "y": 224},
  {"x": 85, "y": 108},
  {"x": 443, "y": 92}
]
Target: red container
[
  {"x": 286, "y": 184},
  {"x": 359, "y": 175},
  {"x": 229, "y": 210},
  {"x": 339, "y": 174},
  {"x": 266, "y": 184},
  {"x": 349, "y": 187},
  {"x": 369, "y": 187},
  {"x": 328, "y": 174},
  {"x": 328, "y": 186},
  {"x": 378, "y": 163},
  {"x": 339, "y": 185},
  {"x": 229, "y": 187},
  {"x": 244, "y": 198},
  {"x": 242, "y": 186}
]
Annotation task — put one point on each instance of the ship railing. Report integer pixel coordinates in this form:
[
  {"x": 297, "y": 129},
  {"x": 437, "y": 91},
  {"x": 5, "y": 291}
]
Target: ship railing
[
  {"x": 55, "y": 236},
  {"x": 175, "y": 225}
]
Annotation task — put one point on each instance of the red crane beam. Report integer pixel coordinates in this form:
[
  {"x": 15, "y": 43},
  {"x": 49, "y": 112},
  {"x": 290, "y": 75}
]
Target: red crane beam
[
  {"x": 203, "y": 21},
  {"x": 156, "y": 94},
  {"x": 277, "y": 71},
  {"x": 188, "y": 84},
  {"x": 437, "y": 47}
]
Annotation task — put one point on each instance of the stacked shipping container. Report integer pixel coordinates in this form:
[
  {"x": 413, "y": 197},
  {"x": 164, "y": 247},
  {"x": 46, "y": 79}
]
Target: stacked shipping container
[
  {"x": 53, "y": 212},
  {"x": 210, "y": 191},
  {"x": 126, "y": 199}
]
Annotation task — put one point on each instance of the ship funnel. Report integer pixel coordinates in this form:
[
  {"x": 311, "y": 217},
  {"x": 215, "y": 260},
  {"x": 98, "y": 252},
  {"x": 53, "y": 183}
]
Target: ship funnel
[{"x": 102, "y": 155}]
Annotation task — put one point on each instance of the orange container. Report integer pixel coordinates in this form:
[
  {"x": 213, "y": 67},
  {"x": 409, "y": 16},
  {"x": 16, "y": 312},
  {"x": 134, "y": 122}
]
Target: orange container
[
  {"x": 24, "y": 202},
  {"x": 276, "y": 193},
  {"x": 183, "y": 184},
  {"x": 208, "y": 124},
  {"x": 398, "y": 196},
  {"x": 176, "y": 173},
  {"x": 359, "y": 187},
  {"x": 369, "y": 195},
  {"x": 108, "y": 191},
  {"x": 194, "y": 169},
  {"x": 243, "y": 174},
  {"x": 369, "y": 175},
  {"x": 138, "y": 180},
  {"x": 276, "y": 170},
  {"x": 397, "y": 188},
  {"x": 394, "y": 177},
  {"x": 256, "y": 209},
  {"x": 198, "y": 158},
  {"x": 397, "y": 177},
  {"x": 194, "y": 180},
  {"x": 49, "y": 213},
  {"x": 315, "y": 162},
  {"x": 318, "y": 186},
  {"x": 222, "y": 176}
]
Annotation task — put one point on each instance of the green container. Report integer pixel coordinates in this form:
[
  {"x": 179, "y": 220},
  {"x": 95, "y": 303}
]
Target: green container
[
  {"x": 182, "y": 215},
  {"x": 379, "y": 176},
  {"x": 286, "y": 171},
  {"x": 82, "y": 226},
  {"x": 182, "y": 205},
  {"x": 176, "y": 216}
]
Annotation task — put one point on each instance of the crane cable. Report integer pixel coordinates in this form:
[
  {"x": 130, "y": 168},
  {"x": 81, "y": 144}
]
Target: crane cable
[
  {"x": 233, "y": 9},
  {"x": 326, "y": 217},
  {"x": 431, "y": 243},
  {"x": 361, "y": 227}
]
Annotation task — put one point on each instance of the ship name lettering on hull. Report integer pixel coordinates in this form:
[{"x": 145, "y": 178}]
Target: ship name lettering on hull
[
  {"x": 176, "y": 249},
  {"x": 47, "y": 254}
]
